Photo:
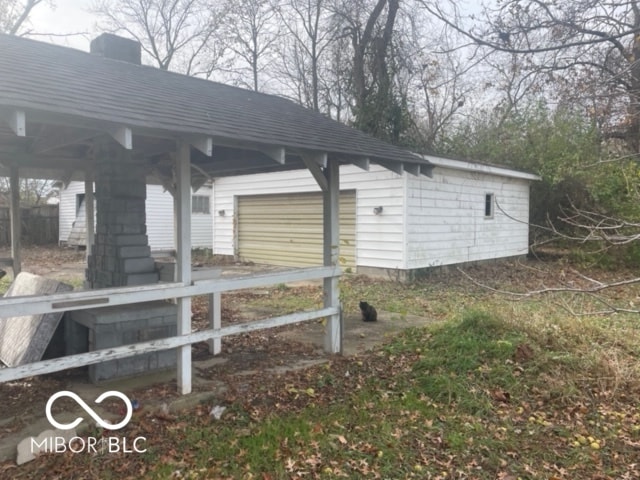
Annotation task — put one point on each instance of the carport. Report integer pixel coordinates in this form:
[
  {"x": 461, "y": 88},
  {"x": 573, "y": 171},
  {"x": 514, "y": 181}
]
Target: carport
[{"x": 104, "y": 118}]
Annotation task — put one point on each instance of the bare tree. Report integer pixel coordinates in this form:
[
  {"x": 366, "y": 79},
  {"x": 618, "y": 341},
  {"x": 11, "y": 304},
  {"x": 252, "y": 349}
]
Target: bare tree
[
  {"x": 175, "y": 34},
  {"x": 14, "y": 15},
  {"x": 251, "y": 33},
  {"x": 434, "y": 76},
  {"x": 335, "y": 95},
  {"x": 590, "y": 46},
  {"x": 370, "y": 29},
  {"x": 309, "y": 34},
  {"x": 33, "y": 191}
]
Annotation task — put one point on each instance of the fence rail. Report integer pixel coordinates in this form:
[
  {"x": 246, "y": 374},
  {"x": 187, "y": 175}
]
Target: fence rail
[{"x": 31, "y": 305}]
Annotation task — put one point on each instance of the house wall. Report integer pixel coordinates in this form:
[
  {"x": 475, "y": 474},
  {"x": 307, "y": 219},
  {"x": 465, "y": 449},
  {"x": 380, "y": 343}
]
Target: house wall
[
  {"x": 67, "y": 209},
  {"x": 379, "y": 238},
  {"x": 159, "y": 213},
  {"x": 446, "y": 221}
]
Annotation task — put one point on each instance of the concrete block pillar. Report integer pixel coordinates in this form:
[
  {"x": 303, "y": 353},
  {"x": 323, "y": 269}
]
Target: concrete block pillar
[{"x": 120, "y": 255}]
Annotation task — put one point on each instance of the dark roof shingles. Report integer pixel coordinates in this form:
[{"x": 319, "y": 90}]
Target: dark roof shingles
[{"x": 41, "y": 76}]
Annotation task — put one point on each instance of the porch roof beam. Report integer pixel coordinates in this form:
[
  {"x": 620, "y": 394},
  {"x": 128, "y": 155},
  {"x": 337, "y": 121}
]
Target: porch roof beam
[
  {"x": 412, "y": 168},
  {"x": 396, "y": 167},
  {"x": 18, "y": 122},
  {"x": 312, "y": 163},
  {"x": 123, "y": 135},
  {"x": 275, "y": 153},
  {"x": 203, "y": 144},
  {"x": 44, "y": 144}
]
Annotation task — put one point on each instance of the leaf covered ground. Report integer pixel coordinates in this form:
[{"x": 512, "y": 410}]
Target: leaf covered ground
[{"x": 495, "y": 389}]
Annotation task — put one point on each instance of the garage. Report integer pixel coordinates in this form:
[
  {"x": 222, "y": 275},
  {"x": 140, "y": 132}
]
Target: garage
[{"x": 286, "y": 229}]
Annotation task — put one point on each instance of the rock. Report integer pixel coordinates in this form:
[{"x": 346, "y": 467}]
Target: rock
[{"x": 28, "y": 450}]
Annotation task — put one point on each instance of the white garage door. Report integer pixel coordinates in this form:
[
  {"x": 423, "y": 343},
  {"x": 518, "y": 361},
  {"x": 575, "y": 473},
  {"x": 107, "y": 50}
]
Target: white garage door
[{"x": 286, "y": 229}]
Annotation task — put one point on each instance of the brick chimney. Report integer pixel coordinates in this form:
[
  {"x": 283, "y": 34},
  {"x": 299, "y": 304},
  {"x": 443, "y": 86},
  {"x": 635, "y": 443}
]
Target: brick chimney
[{"x": 117, "y": 48}]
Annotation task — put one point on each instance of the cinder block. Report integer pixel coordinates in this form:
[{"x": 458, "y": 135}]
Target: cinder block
[
  {"x": 128, "y": 240},
  {"x": 103, "y": 371},
  {"x": 167, "y": 358},
  {"x": 108, "y": 340},
  {"x": 125, "y": 324},
  {"x": 133, "y": 365},
  {"x": 142, "y": 279},
  {"x": 138, "y": 265},
  {"x": 133, "y": 229},
  {"x": 162, "y": 320},
  {"x": 129, "y": 336},
  {"x": 134, "y": 251}
]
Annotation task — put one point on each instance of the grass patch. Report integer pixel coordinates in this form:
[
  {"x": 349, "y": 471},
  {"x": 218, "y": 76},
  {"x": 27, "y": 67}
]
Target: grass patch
[
  {"x": 483, "y": 395},
  {"x": 4, "y": 284}
]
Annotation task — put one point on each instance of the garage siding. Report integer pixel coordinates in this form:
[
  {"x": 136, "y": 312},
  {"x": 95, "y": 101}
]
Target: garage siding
[
  {"x": 379, "y": 237},
  {"x": 446, "y": 222},
  {"x": 286, "y": 229}
]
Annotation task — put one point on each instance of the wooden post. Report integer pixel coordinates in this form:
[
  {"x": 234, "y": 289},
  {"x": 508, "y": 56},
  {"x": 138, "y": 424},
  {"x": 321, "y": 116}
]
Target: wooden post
[
  {"x": 182, "y": 207},
  {"x": 89, "y": 213},
  {"x": 16, "y": 221},
  {"x": 331, "y": 231},
  {"x": 215, "y": 320}
]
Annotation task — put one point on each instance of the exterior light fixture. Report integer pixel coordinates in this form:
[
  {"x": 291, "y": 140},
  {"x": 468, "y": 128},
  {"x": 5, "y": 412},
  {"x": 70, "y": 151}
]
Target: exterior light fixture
[{"x": 377, "y": 210}]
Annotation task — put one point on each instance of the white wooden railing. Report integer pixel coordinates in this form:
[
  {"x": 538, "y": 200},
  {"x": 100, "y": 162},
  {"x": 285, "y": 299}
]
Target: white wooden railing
[{"x": 63, "y": 302}]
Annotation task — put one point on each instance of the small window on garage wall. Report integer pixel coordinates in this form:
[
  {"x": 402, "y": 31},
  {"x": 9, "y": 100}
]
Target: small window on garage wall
[
  {"x": 488, "y": 205},
  {"x": 200, "y": 204}
]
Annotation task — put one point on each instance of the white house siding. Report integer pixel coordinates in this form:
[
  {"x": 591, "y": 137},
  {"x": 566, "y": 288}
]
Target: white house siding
[
  {"x": 379, "y": 238},
  {"x": 159, "y": 210},
  {"x": 68, "y": 209},
  {"x": 446, "y": 221}
]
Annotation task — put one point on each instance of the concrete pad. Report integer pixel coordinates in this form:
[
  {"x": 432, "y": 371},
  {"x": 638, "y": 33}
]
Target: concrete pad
[{"x": 25, "y": 339}]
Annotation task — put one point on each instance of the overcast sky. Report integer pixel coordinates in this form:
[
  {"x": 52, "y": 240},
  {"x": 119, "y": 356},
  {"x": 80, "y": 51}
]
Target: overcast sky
[{"x": 66, "y": 16}]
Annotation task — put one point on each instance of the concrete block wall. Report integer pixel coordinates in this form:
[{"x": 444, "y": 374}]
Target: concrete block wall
[{"x": 99, "y": 328}]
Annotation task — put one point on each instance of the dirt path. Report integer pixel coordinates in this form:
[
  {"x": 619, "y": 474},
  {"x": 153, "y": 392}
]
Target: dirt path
[{"x": 64, "y": 264}]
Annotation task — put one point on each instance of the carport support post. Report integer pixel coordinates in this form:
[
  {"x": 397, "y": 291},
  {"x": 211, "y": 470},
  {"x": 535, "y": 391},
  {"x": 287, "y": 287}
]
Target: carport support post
[
  {"x": 16, "y": 222},
  {"x": 331, "y": 230},
  {"x": 90, "y": 218},
  {"x": 182, "y": 210},
  {"x": 215, "y": 320}
]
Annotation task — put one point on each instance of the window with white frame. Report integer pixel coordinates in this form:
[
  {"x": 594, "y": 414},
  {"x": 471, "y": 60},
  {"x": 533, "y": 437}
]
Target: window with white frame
[{"x": 200, "y": 204}]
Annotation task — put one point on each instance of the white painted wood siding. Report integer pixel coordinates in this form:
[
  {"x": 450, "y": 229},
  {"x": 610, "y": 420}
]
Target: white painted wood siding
[
  {"x": 68, "y": 209},
  {"x": 202, "y": 224},
  {"x": 379, "y": 238},
  {"x": 159, "y": 211},
  {"x": 446, "y": 221}
]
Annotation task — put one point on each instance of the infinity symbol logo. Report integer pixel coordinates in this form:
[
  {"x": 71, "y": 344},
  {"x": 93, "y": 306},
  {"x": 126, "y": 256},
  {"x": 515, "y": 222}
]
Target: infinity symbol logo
[{"x": 89, "y": 410}]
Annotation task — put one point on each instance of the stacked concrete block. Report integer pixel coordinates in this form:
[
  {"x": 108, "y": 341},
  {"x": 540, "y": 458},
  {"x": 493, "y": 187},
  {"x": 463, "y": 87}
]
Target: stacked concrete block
[
  {"x": 100, "y": 328},
  {"x": 120, "y": 255}
]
